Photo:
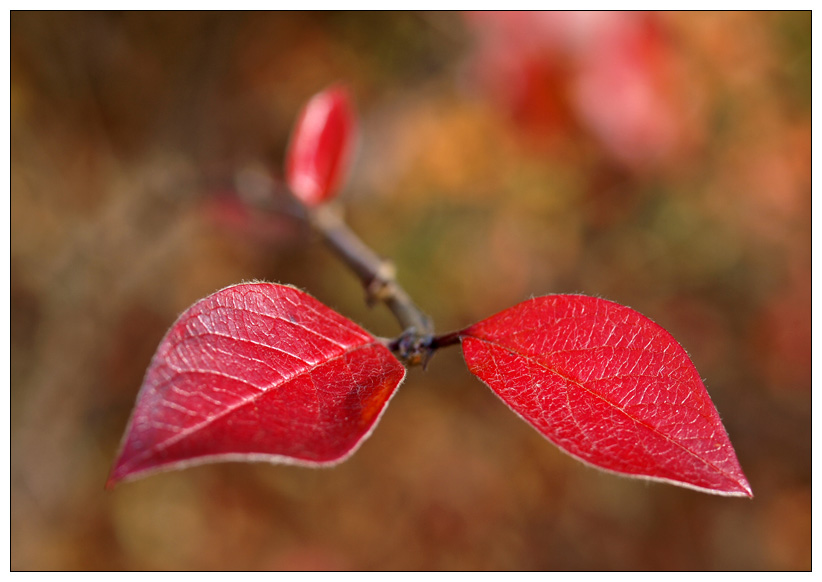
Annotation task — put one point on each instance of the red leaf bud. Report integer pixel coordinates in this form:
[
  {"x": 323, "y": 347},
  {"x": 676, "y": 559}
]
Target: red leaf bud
[{"x": 319, "y": 154}]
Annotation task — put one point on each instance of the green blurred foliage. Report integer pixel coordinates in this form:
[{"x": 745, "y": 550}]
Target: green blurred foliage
[{"x": 132, "y": 138}]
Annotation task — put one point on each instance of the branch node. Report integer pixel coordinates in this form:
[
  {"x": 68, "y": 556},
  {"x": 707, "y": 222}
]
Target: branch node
[
  {"x": 412, "y": 348},
  {"x": 382, "y": 285}
]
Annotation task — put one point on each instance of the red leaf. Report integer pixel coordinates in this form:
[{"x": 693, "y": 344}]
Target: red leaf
[
  {"x": 258, "y": 372},
  {"x": 608, "y": 386},
  {"x": 320, "y": 150}
]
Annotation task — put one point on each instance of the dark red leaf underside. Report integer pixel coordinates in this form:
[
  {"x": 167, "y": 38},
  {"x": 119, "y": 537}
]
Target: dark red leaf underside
[
  {"x": 608, "y": 386},
  {"x": 258, "y": 372}
]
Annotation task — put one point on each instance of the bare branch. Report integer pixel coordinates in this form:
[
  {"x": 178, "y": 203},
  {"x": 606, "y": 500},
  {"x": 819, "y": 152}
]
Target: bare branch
[{"x": 376, "y": 273}]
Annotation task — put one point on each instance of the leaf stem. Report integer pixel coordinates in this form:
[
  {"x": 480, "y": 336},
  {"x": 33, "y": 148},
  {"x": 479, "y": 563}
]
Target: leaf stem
[{"x": 446, "y": 339}]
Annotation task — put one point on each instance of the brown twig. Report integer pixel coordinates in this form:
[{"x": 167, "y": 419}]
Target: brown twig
[{"x": 417, "y": 343}]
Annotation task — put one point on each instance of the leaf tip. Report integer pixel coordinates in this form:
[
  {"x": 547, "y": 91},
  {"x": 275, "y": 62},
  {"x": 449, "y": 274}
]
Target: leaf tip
[
  {"x": 117, "y": 473},
  {"x": 746, "y": 490},
  {"x": 113, "y": 479}
]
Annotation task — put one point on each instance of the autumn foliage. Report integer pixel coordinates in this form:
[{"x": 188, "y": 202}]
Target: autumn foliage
[
  {"x": 498, "y": 160},
  {"x": 262, "y": 371}
]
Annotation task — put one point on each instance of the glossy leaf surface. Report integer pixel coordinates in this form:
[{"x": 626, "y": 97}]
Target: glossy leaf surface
[
  {"x": 608, "y": 386},
  {"x": 321, "y": 145},
  {"x": 258, "y": 372}
]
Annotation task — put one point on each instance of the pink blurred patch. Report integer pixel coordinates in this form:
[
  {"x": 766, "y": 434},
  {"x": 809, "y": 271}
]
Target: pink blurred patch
[{"x": 604, "y": 72}]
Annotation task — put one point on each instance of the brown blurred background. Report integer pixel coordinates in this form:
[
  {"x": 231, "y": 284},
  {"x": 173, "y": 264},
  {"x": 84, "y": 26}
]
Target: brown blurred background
[{"x": 659, "y": 160}]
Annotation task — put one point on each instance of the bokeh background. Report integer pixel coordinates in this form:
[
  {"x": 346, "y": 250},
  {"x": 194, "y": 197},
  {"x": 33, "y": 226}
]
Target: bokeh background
[{"x": 659, "y": 160}]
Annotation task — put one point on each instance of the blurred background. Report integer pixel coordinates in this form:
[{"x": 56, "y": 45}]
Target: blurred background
[{"x": 658, "y": 160}]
